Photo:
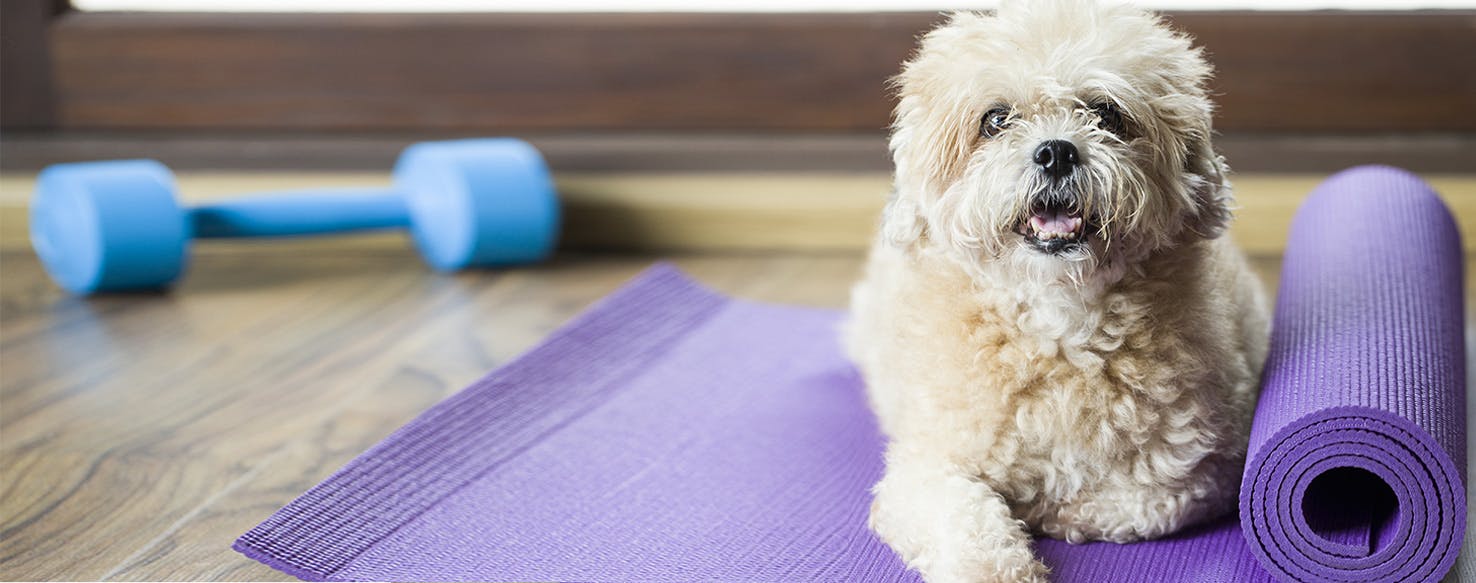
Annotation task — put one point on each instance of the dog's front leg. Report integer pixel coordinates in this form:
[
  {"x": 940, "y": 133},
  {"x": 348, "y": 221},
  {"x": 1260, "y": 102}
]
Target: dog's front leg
[{"x": 948, "y": 525}]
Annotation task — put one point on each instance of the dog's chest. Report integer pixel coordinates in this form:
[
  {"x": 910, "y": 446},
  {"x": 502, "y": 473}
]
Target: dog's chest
[{"x": 1082, "y": 397}]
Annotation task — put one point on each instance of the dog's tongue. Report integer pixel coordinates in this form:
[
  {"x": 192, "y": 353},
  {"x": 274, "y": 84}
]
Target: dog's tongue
[{"x": 1054, "y": 222}]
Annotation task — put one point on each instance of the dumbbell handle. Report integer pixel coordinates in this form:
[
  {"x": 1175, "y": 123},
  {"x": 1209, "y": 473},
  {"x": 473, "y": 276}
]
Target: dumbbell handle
[{"x": 306, "y": 212}]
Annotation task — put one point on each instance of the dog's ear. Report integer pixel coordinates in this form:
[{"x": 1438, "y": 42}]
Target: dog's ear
[
  {"x": 902, "y": 223},
  {"x": 1212, "y": 200},
  {"x": 932, "y": 137},
  {"x": 927, "y": 155}
]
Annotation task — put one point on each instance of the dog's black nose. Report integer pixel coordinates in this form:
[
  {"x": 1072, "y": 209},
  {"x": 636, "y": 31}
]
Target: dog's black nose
[{"x": 1056, "y": 157}]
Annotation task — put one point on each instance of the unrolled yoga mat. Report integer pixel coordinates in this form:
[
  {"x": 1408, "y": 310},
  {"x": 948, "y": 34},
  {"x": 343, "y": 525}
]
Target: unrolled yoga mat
[{"x": 672, "y": 434}]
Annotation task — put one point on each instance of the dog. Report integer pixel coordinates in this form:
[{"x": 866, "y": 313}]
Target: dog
[{"x": 1056, "y": 336}]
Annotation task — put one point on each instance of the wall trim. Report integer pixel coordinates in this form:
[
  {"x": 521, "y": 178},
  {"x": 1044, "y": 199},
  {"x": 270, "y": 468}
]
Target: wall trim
[{"x": 680, "y": 152}]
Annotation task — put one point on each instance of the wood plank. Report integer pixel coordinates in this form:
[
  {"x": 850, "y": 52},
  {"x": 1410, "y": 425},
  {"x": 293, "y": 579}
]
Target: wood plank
[
  {"x": 221, "y": 408},
  {"x": 679, "y": 152},
  {"x": 25, "y": 63},
  {"x": 593, "y": 71},
  {"x": 1278, "y": 71},
  {"x": 1340, "y": 71},
  {"x": 710, "y": 212}
]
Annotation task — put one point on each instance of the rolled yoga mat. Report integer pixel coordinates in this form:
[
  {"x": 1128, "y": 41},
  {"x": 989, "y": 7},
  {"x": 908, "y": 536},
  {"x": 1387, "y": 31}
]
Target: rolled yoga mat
[
  {"x": 1358, "y": 449},
  {"x": 672, "y": 434}
]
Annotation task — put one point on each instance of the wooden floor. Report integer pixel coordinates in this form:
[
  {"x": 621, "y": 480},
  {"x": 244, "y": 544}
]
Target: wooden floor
[{"x": 139, "y": 435}]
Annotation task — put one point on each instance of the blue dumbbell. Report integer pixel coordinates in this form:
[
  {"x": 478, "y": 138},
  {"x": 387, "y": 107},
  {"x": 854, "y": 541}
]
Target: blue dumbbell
[{"x": 113, "y": 226}]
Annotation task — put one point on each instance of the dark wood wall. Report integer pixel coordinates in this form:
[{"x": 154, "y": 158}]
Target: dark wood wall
[
  {"x": 26, "y": 97},
  {"x": 1355, "y": 75},
  {"x": 1282, "y": 72}
]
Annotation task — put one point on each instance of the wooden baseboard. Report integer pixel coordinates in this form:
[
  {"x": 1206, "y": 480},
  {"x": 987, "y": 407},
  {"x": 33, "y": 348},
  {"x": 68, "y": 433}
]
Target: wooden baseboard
[{"x": 717, "y": 212}]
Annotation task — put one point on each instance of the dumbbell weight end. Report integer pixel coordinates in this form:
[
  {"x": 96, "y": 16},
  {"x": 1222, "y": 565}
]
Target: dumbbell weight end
[{"x": 108, "y": 226}]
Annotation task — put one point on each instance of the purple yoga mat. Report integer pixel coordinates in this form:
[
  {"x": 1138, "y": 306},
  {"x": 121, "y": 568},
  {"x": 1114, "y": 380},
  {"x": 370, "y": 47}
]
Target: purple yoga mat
[
  {"x": 1358, "y": 449},
  {"x": 672, "y": 434}
]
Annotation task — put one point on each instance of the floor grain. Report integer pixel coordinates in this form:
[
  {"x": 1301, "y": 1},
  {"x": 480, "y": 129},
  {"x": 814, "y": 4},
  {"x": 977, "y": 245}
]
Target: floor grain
[{"x": 140, "y": 434}]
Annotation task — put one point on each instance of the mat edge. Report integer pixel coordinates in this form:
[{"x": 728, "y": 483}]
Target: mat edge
[{"x": 659, "y": 275}]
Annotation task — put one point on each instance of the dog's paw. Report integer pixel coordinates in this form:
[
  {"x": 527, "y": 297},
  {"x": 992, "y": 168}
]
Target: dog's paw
[
  {"x": 971, "y": 560},
  {"x": 951, "y": 528},
  {"x": 977, "y": 551},
  {"x": 981, "y": 565}
]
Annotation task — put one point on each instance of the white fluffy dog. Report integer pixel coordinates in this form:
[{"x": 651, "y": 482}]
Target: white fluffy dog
[{"x": 1055, "y": 336}]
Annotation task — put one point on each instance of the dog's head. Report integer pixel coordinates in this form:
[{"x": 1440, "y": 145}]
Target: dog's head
[{"x": 1058, "y": 133}]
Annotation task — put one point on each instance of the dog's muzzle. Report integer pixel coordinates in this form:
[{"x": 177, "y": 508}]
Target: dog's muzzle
[{"x": 1055, "y": 224}]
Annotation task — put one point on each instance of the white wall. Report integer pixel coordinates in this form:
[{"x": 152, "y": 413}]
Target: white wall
[{"x": 706, "y": 5}]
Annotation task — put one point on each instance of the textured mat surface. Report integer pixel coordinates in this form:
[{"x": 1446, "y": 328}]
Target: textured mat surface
[{"x": 672, "y": 434}]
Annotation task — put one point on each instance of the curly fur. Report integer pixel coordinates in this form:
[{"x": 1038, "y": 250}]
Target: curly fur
[{"x": 1104, "y": 393}]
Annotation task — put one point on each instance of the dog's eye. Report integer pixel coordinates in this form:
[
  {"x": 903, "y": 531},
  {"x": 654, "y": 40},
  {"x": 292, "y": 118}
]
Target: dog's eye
[
  {"x": 995, "y": 121},
  {"x": 1109, "y": 118}
]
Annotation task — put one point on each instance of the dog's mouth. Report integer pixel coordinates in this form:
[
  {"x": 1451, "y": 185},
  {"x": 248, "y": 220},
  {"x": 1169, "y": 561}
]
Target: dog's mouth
[{"x": 1054, "y": 229}]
